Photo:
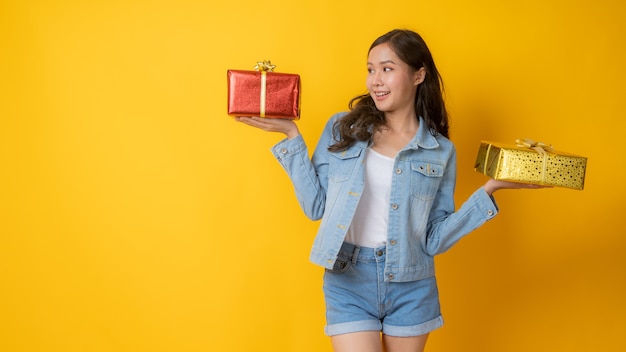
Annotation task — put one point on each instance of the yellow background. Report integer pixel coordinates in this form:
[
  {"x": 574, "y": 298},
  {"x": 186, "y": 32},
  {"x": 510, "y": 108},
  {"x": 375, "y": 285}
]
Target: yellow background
[{"x": 135, "y": 215}]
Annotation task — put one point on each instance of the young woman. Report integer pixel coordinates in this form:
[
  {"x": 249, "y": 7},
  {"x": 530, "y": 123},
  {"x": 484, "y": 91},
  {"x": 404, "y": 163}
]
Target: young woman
[{"x": 382, "y": 180}]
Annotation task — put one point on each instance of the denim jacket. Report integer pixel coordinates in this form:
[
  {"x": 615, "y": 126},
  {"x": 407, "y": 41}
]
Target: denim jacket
[{"x": 422, "y": 218}]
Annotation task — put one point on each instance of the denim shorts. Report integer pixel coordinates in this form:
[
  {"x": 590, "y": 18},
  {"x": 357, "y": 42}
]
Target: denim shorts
[{"x": 358, "y": 298}]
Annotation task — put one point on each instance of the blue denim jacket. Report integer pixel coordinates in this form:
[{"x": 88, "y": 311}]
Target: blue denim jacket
[{"x": 422, "y": 217}]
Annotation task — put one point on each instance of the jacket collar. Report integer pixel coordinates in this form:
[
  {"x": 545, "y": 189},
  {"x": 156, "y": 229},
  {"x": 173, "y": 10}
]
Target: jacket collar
[{"x": 423, "y": 138}]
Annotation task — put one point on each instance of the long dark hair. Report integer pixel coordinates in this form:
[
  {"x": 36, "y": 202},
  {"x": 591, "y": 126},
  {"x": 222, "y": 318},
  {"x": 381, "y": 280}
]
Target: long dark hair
[{"x": 364, "y": 118}]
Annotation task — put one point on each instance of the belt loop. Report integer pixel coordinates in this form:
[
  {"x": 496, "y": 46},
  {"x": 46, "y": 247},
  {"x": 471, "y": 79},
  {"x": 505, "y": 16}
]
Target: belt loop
[{"x": 355, "y": 254}]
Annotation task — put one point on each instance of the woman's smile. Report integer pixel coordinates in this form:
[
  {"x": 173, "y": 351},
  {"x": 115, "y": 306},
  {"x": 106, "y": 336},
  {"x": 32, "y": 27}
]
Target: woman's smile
[{"x": 387, "y": 73}]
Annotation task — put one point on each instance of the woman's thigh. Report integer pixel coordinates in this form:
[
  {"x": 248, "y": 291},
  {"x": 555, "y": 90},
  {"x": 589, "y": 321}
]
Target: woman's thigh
[
  {"x": 370, "y": 341},
  {"x": 364, "y": 341},
  {"x": 404, "y": 344}
]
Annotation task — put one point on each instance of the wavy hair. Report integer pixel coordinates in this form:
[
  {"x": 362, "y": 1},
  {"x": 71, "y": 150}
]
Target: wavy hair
[{"x": 364, "y": 118}]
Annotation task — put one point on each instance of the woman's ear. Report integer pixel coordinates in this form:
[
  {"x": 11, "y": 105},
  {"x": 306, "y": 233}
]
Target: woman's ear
[{"x": 420, "y": 76}]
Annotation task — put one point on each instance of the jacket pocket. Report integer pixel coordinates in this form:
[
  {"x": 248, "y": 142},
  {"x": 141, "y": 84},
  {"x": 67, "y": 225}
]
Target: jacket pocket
[
  {"x": 342, "y": 164},
  {"x": 425, "y": 178}
]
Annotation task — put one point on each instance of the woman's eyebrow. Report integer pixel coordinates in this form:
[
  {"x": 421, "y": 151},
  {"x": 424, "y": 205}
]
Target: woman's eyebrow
[{"x": 383, "y": 62}]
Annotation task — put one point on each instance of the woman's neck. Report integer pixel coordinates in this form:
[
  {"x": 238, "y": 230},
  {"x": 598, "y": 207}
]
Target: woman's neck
[
  {"x": 398, "y": 131},
  {"x": 401, "y": 123}
]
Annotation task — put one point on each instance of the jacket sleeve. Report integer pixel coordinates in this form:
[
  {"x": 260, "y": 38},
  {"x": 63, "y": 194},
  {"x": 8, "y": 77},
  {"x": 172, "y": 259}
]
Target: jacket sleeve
[
  {"x": 446, "y": 226},
  {"x": 308, "y": 176}
]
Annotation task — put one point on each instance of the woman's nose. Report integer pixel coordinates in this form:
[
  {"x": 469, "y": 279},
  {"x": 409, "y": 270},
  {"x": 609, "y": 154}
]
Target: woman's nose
[{"x": 376, "y": 79}]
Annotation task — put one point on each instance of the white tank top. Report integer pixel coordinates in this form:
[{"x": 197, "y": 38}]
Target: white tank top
[{"x": 369, "y": 225}]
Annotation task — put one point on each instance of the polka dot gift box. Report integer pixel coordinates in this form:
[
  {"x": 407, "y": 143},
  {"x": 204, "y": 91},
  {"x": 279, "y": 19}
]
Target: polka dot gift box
[{"x": 532, "y": 162}]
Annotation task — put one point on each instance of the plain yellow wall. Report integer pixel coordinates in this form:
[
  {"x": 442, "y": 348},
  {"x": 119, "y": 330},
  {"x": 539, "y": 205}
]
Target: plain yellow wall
[{"x": 135, "y": 215}]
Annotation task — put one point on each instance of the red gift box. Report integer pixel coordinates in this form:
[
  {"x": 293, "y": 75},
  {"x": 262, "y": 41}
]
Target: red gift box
[{"x": 263, "y": 93}]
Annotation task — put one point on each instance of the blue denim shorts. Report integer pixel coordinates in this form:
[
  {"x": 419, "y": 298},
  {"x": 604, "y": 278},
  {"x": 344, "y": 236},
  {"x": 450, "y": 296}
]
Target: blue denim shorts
[{"x": 358, "y": 298}]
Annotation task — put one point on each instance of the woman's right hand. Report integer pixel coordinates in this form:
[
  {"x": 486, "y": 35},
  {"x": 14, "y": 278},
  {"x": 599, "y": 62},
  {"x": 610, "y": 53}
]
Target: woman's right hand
[{"x": 285, "y": 126}]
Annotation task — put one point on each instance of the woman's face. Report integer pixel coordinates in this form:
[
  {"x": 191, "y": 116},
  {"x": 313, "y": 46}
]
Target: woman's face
[{"x": 391, "y": 82}]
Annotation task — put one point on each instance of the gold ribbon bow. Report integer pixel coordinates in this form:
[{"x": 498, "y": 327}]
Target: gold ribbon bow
[
  {"x": 264, "y": 66},
  {"x": 539, "y": 147}
]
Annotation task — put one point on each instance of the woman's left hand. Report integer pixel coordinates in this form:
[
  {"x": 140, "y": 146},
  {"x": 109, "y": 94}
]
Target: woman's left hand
[{"x": 493, "y": 185}]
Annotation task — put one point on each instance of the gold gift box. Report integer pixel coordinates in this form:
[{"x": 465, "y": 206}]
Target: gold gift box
[{"x": 531, "y": 164}]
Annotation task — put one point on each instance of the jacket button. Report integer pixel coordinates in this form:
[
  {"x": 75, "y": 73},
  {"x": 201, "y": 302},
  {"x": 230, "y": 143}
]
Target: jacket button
[
  {"x": 398, "y": 171},
  {"x": 393, "y": 242},
  {"x": 390, "y": 276},
  {"x": 394, "y": 206},
  {"x": 490, "y": 212},
  {"x": 379, "y": 253}
]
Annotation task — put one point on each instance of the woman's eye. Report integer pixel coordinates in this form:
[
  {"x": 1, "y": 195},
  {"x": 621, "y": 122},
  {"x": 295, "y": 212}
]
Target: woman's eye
[
  {"x": 369, "y": 70},
  {"x": 387, "y": 69}
]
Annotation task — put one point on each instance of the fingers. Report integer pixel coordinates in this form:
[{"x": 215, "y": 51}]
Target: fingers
[
  {"x": 493, "y": 185},
  {"x": 512, "y": 184},
  {"x": 286, "y": 126},
  {"x": 538, "y": 186},
  {"x": 257, "y": 122},
  {"x": 518, "y": 185}
]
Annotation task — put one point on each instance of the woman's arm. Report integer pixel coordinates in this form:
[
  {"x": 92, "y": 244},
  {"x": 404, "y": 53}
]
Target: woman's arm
[
  {"x": 447, "y": 226},
  {"x": 309, "y": 177}
]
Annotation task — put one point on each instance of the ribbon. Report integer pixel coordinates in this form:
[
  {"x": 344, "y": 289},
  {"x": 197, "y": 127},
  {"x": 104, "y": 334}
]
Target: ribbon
[
  {"x": 539, "y": 147},
  {"x": 486, "y": 162},
  {"x": 263, "y": 66}
]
